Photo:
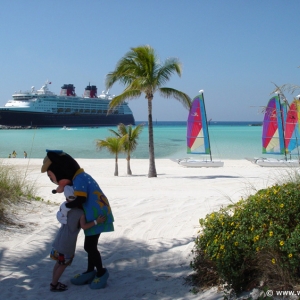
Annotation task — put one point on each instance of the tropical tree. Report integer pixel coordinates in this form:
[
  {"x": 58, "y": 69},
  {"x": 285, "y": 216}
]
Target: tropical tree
[
  {"x": 130, "y": 136},
  {"x": 114, "y": 145},
  {"x": 141, "y": 71}
]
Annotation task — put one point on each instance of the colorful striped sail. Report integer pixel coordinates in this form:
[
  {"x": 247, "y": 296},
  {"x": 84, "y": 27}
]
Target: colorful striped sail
[
  {"x": 273, "y": 128},
  {"x": 291, "y": 133},
  {"x": 197, "y": 131}
]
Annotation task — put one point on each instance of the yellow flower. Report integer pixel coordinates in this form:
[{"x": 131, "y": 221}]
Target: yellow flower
[
  {"x": 256, "y": 238},
  {"x": 290, "y": 255},
  {"x": 257, "y": 249},
  {"x": 236, "y": 243},
  {"x": 232, "y": 224},
  {"x": 271, "y": 233},
  {"x": 281, "y": 243},
  {"x": 222, "y": 247},
  {"x": 281, "y": 205},
  {"x": 273, "y": 261}
]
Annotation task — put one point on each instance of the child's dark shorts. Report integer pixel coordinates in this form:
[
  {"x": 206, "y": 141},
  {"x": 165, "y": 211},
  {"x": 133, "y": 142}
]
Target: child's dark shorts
[{"x": 62, "y": 259}]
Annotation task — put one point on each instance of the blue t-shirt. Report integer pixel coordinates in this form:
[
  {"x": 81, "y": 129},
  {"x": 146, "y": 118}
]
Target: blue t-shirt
[{"x": 96, "y": 202}]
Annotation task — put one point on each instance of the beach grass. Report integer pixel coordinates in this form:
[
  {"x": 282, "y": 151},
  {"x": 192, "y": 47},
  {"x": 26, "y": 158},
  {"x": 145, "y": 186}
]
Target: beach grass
[{"x": 14, "y": 188}]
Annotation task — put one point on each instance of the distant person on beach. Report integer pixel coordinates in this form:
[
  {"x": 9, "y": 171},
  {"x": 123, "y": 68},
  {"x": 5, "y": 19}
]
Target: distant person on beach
[
  {"x": 9, "y": 155},
  {"x": 25, "y": 154},
  {"x": 62, "y": 169},
  {"x": 14, "y": 154},
  {"x": 64, "y": 245}
]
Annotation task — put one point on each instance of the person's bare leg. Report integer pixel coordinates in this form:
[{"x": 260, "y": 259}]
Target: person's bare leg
[
  {"x": 57, "y": 272},
  {"x": 54, "y": 270}
]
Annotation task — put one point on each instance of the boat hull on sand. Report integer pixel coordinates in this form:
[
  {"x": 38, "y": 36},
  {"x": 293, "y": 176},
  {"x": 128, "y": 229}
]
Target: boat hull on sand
[
  {"x": 272, "y": 162},
  {"x": 194, "y": 163}
]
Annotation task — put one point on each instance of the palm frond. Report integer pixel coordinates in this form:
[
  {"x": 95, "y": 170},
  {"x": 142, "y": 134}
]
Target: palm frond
[
  {"x": 291, "y": 88},
  {"x": 164, "y": 73},
  {"x": 114, "y": 132},
  {"x": 114, "y": 145},
  {"x": 130, "y": 135},
  {"x": 183, "y": 98},
  {"x": 279, "y": 90},
  {"x": 122, "y": 129},
  {"x": 126, "y": 95}
]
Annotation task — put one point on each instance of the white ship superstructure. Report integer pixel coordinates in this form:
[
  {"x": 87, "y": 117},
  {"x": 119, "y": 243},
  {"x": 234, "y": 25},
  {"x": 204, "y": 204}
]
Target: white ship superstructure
[{"x": 43, "y": 108}]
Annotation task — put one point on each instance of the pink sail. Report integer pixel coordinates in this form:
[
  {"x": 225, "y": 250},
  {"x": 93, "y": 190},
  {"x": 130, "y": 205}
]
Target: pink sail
[
  {"x": 291, "y": 133},
  {"x": 197, "y": 131},
  {"x": 273, "y": 127}
]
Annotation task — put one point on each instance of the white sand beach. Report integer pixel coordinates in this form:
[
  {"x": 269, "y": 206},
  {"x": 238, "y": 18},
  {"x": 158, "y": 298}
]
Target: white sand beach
[{"x": 156, "y": 221}]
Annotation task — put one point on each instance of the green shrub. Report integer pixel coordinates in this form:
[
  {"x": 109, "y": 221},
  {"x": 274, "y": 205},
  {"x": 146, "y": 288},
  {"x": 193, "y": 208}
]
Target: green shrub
[
  {"x": 255, "y": 239},
  {"x": 13, "y": 188}
]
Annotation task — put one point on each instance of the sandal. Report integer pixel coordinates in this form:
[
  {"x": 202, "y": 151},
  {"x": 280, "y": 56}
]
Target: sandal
[{"x": 59, "y": 287}]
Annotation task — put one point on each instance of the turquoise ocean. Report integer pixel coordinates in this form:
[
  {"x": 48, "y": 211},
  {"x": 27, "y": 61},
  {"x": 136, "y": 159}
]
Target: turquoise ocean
[{"x": 229, "y": 140}]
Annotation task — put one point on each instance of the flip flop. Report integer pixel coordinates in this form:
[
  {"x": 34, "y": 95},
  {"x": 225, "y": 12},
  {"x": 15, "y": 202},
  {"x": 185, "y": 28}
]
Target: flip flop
[{"x": 59, "y": 287}]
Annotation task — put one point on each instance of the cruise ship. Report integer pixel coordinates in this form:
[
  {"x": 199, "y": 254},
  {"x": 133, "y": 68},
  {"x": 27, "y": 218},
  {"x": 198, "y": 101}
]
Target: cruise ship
[{"x": 43, "y": 108}]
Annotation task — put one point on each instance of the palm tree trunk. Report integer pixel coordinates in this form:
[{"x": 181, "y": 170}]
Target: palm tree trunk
[
  {"x": 152, "y": 169},
  {"x": 128, "y": 165},
  {"x": 116, "y": 166}
]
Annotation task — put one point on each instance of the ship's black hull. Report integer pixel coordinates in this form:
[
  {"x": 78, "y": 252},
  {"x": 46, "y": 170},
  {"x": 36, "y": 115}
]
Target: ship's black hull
[{"x": 24, "y": 119}]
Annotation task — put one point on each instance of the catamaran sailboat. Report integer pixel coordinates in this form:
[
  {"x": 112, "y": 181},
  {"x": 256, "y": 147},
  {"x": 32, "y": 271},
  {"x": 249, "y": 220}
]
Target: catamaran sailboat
[
  {"x": 280, "y": 133},
  {"x": 198, "y": 137}
]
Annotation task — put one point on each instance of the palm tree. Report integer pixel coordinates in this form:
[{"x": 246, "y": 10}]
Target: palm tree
[
  {"x": 141, "y": 71},
  {"x": 130, "y": 140},
  {"x": 114, "y": 145}
]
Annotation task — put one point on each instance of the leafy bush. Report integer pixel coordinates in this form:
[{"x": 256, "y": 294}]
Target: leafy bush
[
  {"x": 13, "y": 188},
  {"x": 255, "y": 239}
]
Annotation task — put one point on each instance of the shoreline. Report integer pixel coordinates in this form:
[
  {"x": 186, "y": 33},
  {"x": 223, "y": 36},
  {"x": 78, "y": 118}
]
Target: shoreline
[
  {"x": 156, "y": 222},
  {"x": 227, "y": 142}
]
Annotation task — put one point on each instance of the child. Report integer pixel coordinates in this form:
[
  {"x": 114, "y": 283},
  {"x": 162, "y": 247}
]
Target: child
[
  {"x": 65, "y": 242},
  {"x": 62, "y": 169}
]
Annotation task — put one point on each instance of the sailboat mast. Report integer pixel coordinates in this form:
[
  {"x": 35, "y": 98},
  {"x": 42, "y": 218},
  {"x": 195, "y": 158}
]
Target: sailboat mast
[
  {"x": 281, "y": 114},
  {"x": 206, "y": 126}
]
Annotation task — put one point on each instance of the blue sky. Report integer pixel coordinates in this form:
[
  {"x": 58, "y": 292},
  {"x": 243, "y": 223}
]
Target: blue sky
[{"x": 232, "y": 49}]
